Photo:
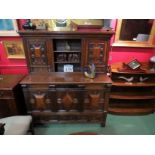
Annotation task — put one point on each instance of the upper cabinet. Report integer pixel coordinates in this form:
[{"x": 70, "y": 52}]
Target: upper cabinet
[
  {"x": 66, "y": 51},
  {"x": 135, "y": 33}
]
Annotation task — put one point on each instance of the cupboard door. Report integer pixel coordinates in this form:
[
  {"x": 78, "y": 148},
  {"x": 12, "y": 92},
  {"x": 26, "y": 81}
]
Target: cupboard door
[
  {"x": 94, "y": 98},
  {"x": 39, "y": 54},
  {"x": 38, "y": 99},
  {"x": 69, "y": 99},
  {"x": 97, "y": 53}
]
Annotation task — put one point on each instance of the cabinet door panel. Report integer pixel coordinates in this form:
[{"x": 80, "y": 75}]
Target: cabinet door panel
[
  {"x": 96, "y": 52},
  {"x": 94, "y": 100},
  {"x": 69, "y": 99},
  {"x": 38, "y": 54},
  {"x": 38, "y": 100}
]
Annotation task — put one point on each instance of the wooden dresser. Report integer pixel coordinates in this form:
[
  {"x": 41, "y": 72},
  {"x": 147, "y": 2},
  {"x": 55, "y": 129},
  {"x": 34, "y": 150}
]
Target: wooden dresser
[
  {"x": 11, "y": 96},
  {"x": 53, "y": 92}
]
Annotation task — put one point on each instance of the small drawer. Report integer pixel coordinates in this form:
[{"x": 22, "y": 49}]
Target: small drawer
[{"x": 6, "y": 94}]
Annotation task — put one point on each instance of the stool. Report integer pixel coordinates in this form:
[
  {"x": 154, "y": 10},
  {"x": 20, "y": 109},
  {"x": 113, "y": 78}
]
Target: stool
[{"x": 17, "y": 125}]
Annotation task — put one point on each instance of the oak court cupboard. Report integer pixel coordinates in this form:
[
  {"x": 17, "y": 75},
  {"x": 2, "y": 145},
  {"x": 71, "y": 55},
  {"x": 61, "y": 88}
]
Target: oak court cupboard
[{"x": 55, "y": 88}]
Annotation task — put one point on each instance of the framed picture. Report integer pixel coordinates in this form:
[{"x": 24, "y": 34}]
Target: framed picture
[
  {"x": 89, "y": 23},
  {"x": 8, "y": 27},
  {"x": 14, "y": 49},
  {"x": 134, "y": 64},
  {"x": 41, "y": 24}
]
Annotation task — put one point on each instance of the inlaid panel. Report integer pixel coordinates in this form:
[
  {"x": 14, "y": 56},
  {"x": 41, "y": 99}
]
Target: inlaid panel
[
  {"x": 96, "y": 52},
  {"x": 38, "y": 52},
  {"x": 69, "y": 100}
]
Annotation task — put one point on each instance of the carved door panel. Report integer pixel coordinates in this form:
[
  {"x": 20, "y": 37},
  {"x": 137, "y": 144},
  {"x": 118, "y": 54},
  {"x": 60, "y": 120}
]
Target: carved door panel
[
  {"x": 69, "y": 99},
  {"x": 39, "y": 57},
  {"x": 96, "y": 52},
  {"x": 94, "y": 98},
  {"x": 38, "y": 99}
]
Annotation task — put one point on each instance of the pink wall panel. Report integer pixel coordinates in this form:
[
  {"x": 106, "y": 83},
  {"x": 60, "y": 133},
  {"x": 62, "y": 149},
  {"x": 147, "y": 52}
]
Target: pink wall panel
[
  {"x": 11, "y": 66},
  {"x": 122, "y": 54}
]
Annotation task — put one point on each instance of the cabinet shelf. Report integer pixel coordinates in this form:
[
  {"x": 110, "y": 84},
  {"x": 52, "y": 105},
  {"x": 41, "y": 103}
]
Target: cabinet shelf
[
  {"x": 130, "y": 111},
  {"x": 134, "y": 84},
  {"x": 132, "y": 95},
  {"x": 135, "y": 97},
  {"x": 131, "y": 73}
]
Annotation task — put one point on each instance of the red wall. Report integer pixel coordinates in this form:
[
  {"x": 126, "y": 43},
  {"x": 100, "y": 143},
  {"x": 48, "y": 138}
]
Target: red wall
[
  {"x": 123, "y": 54},
  {"x": 117, "y": 54},
  {"x": 11, "y": 66}
]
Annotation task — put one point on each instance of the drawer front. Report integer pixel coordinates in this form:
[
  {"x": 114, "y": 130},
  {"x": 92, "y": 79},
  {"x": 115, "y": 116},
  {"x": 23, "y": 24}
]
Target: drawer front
[{"x": 6, "y": 94}]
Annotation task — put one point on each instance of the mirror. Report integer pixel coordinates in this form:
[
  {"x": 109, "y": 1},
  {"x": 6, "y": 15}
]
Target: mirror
[{"x": 135, "y": 33}]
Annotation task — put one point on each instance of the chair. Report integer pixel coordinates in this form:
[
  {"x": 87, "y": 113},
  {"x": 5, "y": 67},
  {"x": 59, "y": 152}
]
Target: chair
[{"x": 17, "y": 125}]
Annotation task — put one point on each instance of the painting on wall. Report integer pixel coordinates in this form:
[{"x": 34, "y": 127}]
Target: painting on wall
[
  {"x": 14, "y": 49},
  {"x": 8, "y": 27}
]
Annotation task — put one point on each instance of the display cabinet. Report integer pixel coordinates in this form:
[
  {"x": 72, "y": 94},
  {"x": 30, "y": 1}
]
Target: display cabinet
[
  {"x": 133, "y": 91},
  {"x": 56, "y": 88},
  {"x": 49, "y": 51}
]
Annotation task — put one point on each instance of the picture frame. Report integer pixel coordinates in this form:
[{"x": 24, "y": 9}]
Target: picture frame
[
  {"x": 41, "y": 24},
  {"x": 8, "y": 27},
  {"x": 89, "y": 23},
  {"x": 14, "y": 49},
  {"x": 134, "y": 64}
]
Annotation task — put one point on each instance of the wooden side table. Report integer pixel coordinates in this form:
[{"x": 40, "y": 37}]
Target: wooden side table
[{"x": 11, "y": 96}]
